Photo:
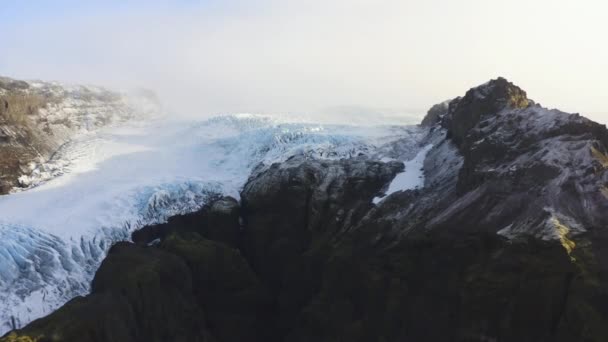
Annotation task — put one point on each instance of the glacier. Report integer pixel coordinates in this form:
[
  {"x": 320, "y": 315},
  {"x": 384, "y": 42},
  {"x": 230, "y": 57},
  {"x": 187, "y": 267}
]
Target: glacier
[{"x": 104, "y": 184}]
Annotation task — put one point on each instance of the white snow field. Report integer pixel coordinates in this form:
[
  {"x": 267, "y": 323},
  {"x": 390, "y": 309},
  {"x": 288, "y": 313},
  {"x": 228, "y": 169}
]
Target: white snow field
[
  {"x": 412, "y": 176},
  {"x": 104, "y": 184}
]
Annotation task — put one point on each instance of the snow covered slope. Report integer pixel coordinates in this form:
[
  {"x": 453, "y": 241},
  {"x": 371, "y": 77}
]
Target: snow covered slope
[
  {"x": 37, "y": 118},
  {"x": 104, "y": 184},
  {"x": 412, "y": 176}
]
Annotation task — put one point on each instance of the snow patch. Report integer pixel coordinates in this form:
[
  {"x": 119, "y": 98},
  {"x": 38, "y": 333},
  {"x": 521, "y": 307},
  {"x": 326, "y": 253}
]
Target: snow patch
[{"x": 411, "y": 178}]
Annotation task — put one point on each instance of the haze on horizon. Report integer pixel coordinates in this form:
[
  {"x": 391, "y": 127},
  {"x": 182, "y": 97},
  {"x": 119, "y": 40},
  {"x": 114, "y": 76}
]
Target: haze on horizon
[{"x": 314, "y": 57}]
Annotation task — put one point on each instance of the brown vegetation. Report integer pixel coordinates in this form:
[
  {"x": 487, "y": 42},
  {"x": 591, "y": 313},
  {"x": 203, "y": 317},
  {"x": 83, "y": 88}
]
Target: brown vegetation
[{"x": 16, "y": 107}]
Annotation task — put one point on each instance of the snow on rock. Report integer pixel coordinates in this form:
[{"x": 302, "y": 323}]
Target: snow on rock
[
  {"x": 38, "y": 118},
  {"x": 519, "y": 169},
  {"x": 411, "y": 178},
  {"x": 104, "y": 184}
]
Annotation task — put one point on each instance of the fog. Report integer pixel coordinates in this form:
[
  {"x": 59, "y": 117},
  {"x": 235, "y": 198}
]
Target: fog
[{"x": 335, "y": 60}]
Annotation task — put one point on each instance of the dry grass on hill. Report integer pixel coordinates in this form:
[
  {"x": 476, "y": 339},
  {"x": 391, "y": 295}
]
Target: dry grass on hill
[{"x": 16, "y": 107}]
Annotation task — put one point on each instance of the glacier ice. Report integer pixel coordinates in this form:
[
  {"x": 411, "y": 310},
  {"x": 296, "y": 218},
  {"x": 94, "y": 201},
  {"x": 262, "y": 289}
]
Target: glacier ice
[{"x": 104, "y": 184}]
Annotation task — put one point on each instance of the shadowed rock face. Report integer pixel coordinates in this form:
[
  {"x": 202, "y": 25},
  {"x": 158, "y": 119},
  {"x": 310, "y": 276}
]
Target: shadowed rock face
[
  {"x": 220, "y": 221},
  {"x": 184, "y": 289},
  {"x": 506, "y": 242},
  {"x": 487, "y": 99}
]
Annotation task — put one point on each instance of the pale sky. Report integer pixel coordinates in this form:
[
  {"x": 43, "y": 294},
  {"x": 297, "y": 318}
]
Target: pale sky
[{"x": 313, "y": 56}]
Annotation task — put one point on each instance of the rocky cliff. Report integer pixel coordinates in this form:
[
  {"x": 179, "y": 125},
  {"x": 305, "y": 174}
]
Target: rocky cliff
[
  {"x": 506, "y": 242},
  {"x": 37, "y": 118}
]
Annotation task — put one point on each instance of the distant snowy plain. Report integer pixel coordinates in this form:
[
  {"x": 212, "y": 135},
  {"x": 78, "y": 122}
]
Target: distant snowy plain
[{"x": 103, "y": 185}]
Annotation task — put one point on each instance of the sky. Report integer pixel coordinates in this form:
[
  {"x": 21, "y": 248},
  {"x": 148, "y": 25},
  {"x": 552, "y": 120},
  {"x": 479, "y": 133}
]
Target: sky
[{"x": 330, "y": 58}]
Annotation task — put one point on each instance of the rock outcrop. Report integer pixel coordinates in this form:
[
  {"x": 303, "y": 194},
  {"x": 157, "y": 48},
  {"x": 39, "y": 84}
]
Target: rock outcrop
[
  {"x": 435, "y": 114},
  {"x": 478, "y": 103},
  {"x": 506, "y": 242}
]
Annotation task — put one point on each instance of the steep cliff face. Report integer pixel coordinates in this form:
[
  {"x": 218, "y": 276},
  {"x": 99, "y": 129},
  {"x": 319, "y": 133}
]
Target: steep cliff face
[
  {"x": 36, "y": 118},
  {"x": 505, "y": 242}
]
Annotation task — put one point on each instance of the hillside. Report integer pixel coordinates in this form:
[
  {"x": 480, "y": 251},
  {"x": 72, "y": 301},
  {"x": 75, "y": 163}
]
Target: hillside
[{"x": 37, "y": 118}]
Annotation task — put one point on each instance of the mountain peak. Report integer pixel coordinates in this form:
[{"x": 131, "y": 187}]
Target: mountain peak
[
  {"x": 500, "y": 91},
  {"x": 487, "y": 99}
]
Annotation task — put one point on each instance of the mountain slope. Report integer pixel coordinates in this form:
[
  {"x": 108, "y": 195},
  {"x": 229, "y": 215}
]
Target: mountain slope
[
  {"x": 36, "y": 118},
  {"x": 505, "y": 242},
  {"x": 530, "y": 170}
]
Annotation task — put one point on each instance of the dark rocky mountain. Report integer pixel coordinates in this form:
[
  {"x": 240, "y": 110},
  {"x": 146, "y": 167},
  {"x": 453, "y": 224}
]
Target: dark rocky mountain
[{"x": 506, "y": 242}]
